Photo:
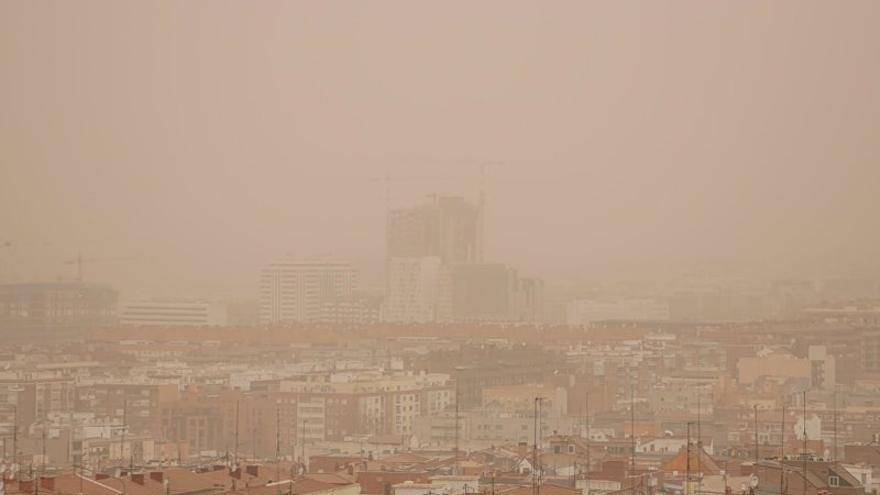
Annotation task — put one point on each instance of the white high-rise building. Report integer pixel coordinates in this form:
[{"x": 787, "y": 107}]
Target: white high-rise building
[
  {"x": 294, "y": 290},
  {"x": 414, "y": 291}
]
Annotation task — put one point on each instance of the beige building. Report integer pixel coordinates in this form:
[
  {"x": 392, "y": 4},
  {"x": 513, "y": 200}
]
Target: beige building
[{"x": 779, "y": 365}]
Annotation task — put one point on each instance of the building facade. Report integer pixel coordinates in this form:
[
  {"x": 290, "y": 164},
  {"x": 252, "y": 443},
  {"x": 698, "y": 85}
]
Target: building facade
[
  {"x": 172, "y": 313},
  {"x": 55, "y": 306},
  {"x": 296, "y": 290},
  {"x": 414, "y": 290},
  {"x": 445, "y": 228}
]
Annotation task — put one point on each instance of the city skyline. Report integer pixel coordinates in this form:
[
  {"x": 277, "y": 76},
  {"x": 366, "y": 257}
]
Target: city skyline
[
  {"x": 733, "y": 137},
  {"x": 506, "y": 247}
]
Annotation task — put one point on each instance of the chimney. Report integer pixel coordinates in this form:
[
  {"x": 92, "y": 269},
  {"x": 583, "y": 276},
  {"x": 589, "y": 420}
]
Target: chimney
[
  {"x": 47, "y": 483},
  {"x": 137, "y": 478},
  {"x": 157, "y": 476},
  {"x": 253, "y": 470},
  {"x": 101, "y": 476},
  {"x": 26, "y": 486}
]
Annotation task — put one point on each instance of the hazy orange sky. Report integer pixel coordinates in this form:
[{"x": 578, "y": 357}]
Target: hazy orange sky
[{"x": 205, "y": 138}]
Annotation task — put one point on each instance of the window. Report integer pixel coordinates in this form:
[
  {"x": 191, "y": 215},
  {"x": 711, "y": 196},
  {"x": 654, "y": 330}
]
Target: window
[
  {"x": 571, "y": 449},
  {"x": 833, "y": 481}
]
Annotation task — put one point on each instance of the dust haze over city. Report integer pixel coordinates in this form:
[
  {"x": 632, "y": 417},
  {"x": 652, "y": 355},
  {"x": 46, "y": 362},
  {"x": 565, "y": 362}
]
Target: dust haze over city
[{"x": 445, "y": 248}]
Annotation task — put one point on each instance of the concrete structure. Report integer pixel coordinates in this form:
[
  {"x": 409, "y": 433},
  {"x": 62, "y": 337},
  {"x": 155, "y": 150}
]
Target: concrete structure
[
  {"x": 172, "y": 313},
  {"x": 356, "y": 311},
  {"x": 414, "y": 290},
  {"x": 336, "y": 405},
  {"x": 822, "y": 367},
  {"x": 779, "y": 365},
  {"x": 55, "y": 306},
  {"x": 445, "y": 228},
  {"x": 296, "y": 290},
  {"x": 493, "y": 292},
  {"x": 870, "y": 351}
]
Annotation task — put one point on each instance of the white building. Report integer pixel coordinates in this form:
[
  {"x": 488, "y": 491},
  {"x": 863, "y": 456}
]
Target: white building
[
  {"x": 354, "y": 311},
  {"x": 586, "y": 311},
  {"x": 414, "y": 290},
  {"x": 296, "y": 290},
  {"x": 172, "y": 313}
]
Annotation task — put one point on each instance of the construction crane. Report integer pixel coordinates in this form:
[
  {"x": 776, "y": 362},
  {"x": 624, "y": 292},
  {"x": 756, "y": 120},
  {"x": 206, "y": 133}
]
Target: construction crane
[
  {"x": 481, "y": 235},
  {"x": 79, "y": 261},
  {"x": 388, "y": 179}
]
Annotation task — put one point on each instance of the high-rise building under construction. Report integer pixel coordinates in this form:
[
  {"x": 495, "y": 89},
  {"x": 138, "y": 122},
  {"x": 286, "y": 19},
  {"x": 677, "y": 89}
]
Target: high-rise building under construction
[{"x": 446, "y": 228}]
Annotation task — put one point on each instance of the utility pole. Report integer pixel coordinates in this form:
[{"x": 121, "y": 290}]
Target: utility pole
[
  {"x": 699, "y": 411},
  {"x": 15, "y": 437},
  {"x": 756, "y": 436},
  {"x": 687, "y": 478},
  {"x": 43, "y": 448},
  {"x": 481, "y": 226},
  {"x": 699, "y": 440},
  {"x": 302, "y": 446},
  {"x": 632, "y": 431},
  {"x": 834, "y": 451},
  {"x": 124, "y": 422},
  {"x": 237, "y": 417},
  {"x": 782, "y": 488},
  {"x": 536, "y": 482},
  {"x": 455, "y": 469},
  {"x": 804, "y": 482},
  {"x": 587, "y": 413},
  {"x": 277, "y": 443}
]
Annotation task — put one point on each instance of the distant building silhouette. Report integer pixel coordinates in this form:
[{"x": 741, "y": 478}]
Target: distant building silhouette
[
  {"x": 415, "y": 290},
  {"x": 434, "y": 274},
  {"x": 296, "y": 290},
  {"x": 56, "y": 306},
  {"x": 172, "y": 313},
  {"x": 445, "y": 228}
]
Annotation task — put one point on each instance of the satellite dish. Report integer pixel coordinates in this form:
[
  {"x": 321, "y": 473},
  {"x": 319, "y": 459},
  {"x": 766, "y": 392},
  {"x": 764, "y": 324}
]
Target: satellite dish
[{"x": 753, "y": 481}]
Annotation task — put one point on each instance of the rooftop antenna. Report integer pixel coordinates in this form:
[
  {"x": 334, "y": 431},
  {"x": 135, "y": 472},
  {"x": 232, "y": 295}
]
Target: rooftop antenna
[
  {"x": 237, "y": 416},
  {"x": 834, "y": 400},
  {"x": 15, "y": 438},
  {"x": 536, "y": 483},
  {"x": 782, "y": 488},
  {"x": 699, "y": 410},
  {"x": 43, "y": 449},
  {"x": 632, "y": 430},
  {"x": 455, "y": 469},
  {"x": 278, "y": 443},
  {"x": 756, "y": 436},
  {"x": 699, "y": 437},
  {"x": 687, "y": 478},
  {"x": 302, "y": 446},
  {"x": 481, "y": 238},
  {"x": 124, "y": 428},
  {"x": 587, "y": 415},
  {"x": 804, "y": 483}
]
